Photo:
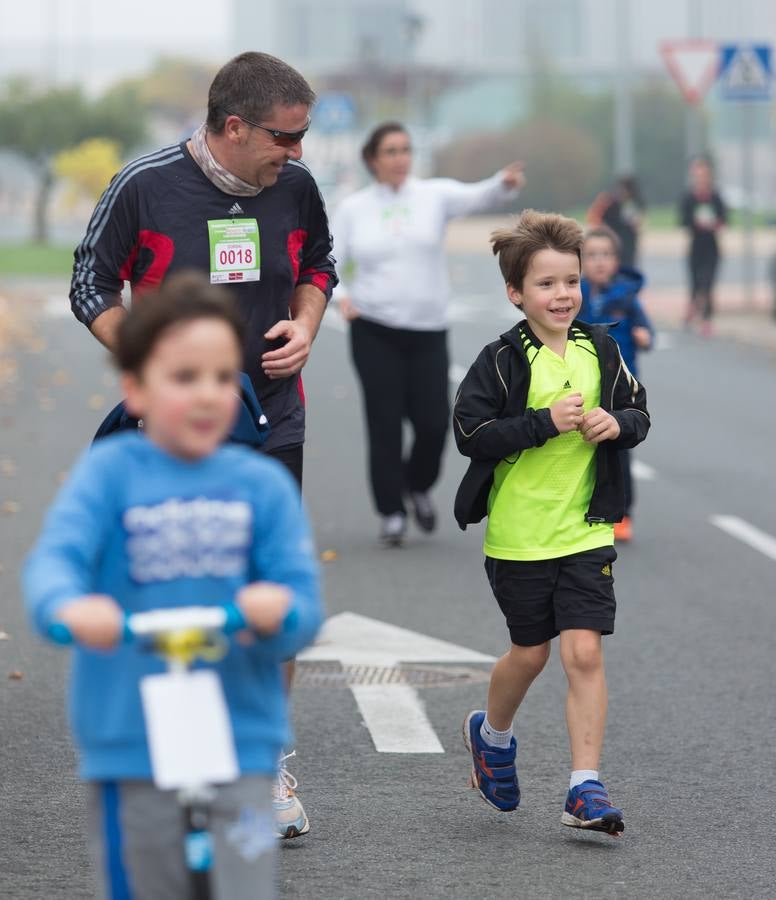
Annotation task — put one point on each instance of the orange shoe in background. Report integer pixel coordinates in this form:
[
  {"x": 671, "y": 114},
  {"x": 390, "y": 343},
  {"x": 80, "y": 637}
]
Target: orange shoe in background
[{"x": 623, "y": 531}]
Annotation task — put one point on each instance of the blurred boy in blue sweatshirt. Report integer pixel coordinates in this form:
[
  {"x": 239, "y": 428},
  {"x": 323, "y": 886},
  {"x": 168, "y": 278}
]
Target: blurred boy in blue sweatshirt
[
  {"x": 610, "y": 296},
  {"x": 168, "y": 517}
]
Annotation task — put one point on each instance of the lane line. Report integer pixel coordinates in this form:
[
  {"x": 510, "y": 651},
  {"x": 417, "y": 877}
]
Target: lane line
[
  {"x": 748, "y": 534},
  {"x": 396, "y": 720}
]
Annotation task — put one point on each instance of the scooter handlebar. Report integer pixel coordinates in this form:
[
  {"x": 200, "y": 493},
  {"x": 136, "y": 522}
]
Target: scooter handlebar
[{"x": 227, "y": 619}]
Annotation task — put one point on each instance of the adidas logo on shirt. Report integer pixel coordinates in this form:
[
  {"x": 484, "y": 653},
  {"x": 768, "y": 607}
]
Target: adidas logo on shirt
[
  {"x": 236, "y": 210},
  {"x": 566, "y": 386}
]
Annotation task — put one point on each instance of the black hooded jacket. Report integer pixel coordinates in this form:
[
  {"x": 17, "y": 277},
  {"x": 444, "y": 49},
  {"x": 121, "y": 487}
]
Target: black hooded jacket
[{"x": 491, "y": 422}]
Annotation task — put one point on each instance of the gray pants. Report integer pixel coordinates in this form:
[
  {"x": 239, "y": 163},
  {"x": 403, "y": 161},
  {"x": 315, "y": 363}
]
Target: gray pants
[{"x": 136, "y": 838}]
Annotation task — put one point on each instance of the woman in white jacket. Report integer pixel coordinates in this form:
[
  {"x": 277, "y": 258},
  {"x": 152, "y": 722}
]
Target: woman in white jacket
[{"x": 389, "y": 245}]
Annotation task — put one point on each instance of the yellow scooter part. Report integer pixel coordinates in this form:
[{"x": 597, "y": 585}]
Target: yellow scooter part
[{"x": 190, "y": 644}]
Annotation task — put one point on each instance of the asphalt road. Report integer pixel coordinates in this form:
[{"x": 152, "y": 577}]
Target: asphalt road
[{"x": 692, "y": 722}]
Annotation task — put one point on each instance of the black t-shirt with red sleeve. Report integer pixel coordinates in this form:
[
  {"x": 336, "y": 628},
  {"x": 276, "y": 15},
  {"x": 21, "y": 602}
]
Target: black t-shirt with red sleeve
[{"x": 153, "y": 220}]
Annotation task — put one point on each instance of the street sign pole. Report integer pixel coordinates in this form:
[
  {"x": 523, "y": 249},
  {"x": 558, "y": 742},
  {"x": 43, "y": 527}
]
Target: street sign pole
[
  {"x": 745, "y": 77},
  {"x": 624, "y": 162},
  {"x": 693, "y": 64},
  {"x": 694, "y": 134},
  {"x": 747, "y": 113}
]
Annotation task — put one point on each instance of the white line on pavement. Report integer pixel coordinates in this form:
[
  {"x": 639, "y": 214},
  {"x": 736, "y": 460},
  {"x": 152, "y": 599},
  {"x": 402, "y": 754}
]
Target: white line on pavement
[
  {"x": 749, "y": 534},
  {"x": 394, "y": 715}
]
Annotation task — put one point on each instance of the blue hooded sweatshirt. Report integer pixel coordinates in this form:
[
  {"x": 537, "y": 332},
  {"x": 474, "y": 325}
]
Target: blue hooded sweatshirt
[
  {"x": 618, "y": 303},
  {"x": 152, "y": 531}
]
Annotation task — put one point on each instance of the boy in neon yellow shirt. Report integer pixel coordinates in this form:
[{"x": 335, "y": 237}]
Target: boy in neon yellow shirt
[{"x": 542, "y": 414}]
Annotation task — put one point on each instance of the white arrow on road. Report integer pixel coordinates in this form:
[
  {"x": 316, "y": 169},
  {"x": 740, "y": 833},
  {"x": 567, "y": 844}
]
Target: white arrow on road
[{"x": 393, "y": 713}]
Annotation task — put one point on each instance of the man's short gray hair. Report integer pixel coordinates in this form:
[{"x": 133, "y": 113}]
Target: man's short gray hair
[{"x": 252, "y": 85}]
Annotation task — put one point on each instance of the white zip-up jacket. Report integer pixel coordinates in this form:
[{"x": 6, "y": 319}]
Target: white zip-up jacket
[{"x": 389, "y": 246}]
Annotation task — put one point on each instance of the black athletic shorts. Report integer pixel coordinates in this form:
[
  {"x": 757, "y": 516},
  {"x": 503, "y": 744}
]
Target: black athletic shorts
[{"x": 544, "y": 597}]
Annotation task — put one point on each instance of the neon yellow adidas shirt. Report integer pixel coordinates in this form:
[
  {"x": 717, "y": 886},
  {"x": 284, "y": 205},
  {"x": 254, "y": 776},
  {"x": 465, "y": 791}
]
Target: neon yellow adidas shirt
[{"x": 539, "y": 498}]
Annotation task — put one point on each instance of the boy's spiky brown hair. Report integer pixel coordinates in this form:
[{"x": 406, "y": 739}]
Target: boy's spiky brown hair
[{"x": 533, "y": 231}]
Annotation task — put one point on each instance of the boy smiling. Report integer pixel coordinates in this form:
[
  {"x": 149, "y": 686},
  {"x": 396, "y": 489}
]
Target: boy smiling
[{"x": 542, "y": 413}]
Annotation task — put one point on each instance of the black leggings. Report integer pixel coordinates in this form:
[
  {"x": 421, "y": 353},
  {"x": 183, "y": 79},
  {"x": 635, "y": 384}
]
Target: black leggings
[
  {"x": 703, "y": 274},
  {"x": 403, "y": 376}
]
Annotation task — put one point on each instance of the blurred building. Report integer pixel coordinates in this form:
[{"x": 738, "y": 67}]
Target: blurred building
[
  {"x": 488, "y": 36},
  {"x": 323, "y": 37}
]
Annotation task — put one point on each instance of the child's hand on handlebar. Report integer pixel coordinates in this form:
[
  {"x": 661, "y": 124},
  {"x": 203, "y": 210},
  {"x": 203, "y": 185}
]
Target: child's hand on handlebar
[
  {"x": 94, "y": 620},
  {"x": 264, "y": 606}
]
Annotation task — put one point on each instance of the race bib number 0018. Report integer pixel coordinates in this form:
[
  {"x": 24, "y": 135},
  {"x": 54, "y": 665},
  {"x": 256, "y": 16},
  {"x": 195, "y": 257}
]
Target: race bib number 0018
[{"x": 235, "y": 250}]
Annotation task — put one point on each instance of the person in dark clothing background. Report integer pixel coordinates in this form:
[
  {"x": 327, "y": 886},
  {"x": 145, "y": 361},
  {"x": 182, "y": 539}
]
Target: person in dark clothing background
[
  {"x": 702, "y": 212},
  {"x": 621, "y": 209}
]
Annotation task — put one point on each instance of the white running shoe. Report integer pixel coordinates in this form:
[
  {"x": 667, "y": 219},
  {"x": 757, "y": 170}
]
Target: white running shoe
[
  {"x": 290, "y": 817},
  {"x": 392, "y": 529}
]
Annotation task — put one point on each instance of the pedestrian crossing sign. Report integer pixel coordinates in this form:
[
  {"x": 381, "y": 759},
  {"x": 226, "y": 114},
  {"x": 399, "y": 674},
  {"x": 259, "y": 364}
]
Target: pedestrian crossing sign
[{"x": 745, "y": 72}]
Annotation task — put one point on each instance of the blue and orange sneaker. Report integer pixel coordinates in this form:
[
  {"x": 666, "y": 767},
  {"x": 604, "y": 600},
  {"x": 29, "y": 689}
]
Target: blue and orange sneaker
[
  {"x": 588, "y": 806},
  {"x": 493, "y": 769}
]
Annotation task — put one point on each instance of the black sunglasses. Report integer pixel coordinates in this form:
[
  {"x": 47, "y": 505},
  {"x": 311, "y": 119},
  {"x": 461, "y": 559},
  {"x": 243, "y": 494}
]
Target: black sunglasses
[{"x": 283, "y": 138}]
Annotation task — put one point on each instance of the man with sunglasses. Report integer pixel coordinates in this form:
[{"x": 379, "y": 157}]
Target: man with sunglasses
[{"x": 235, "y": 201}]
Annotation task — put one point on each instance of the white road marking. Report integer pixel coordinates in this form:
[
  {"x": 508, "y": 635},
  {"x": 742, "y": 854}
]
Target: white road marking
[
  {"x": 396, "y": 719},
  {"x": 642, "y": 471},
  {"x": 393, "y": 713},
  {"x": 748, "y": 534}
]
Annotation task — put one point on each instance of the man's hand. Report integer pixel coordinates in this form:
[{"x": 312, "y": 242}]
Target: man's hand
[
  {"x": 307, "y": 306},
  {"x": 513, "y": 175},
  {"x": 566, "y": 413},
  {"x": 264, "y": 606},
  {"x": 94, "y": 620},
  {"x": 598, "y": 426},
  {"x": 291, "y": 357}
]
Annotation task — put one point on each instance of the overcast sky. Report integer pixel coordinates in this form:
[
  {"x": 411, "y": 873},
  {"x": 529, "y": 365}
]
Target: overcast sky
[{"x": 149, "y": 20}]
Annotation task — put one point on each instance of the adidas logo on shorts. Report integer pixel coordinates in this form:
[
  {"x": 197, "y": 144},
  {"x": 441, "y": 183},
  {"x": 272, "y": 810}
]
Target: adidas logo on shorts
[{"x": 606, "y": 570}]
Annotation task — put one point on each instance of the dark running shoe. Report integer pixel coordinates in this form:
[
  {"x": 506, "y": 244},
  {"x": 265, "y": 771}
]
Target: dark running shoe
[
  {"x": 425, "y": 512},
  {"x": 588, "y": 806}
]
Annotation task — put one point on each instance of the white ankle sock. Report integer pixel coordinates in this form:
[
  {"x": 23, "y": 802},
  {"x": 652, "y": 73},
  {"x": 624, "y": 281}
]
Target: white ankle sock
[
  {"x": 580, "y": 775},
  {"x": 495, "y": 738}
]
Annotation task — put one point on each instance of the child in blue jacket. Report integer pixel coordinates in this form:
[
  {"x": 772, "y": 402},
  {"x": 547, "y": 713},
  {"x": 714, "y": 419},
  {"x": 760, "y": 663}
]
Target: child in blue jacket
[
  {"x": 610, "y": 295},
  {"x": 168, "y": 517}
]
